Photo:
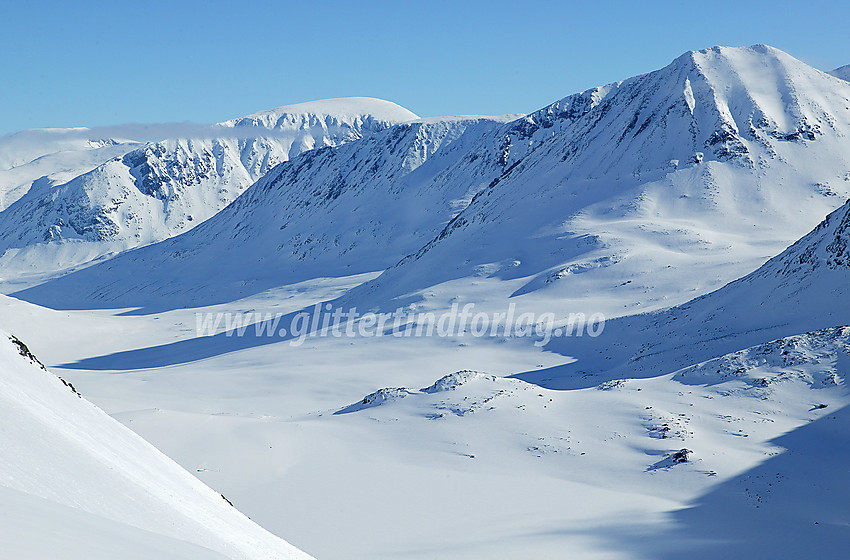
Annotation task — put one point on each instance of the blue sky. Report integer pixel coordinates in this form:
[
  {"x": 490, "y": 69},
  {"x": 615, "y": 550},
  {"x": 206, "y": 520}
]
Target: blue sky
[{"x": 99, "y": 63}]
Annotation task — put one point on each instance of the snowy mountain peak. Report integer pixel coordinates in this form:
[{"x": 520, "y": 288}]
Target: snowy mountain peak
[
  {"x": 666, "y": 158},
  {"x": 842, "y": 72},
  {"x": 165, "y": 188},
  {"x": 722, "y": 103},
  {"x": 675, "y": 160}
]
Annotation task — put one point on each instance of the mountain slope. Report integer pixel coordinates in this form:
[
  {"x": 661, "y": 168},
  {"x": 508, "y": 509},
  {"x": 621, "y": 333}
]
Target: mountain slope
[
  {"x": 633, "y": 196},
  {"x": 793, "y": 503},
  {"x": 330, "y": 212},
  {"x": 42, "y": 158},
  {"x": 802, "y": 289},
  {"x": 20, "y": 148},
  {"x": 60, "y": 452},
  {"x": 842, "y": 72},
  {"x": 34, "y": 529},
  {"x": 648, "y": 192},
  {"x": 165, "y": 188}
]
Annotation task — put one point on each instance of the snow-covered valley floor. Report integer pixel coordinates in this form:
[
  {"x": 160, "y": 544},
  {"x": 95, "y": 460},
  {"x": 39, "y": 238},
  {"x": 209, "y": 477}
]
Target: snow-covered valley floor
[{"x": 480, "y": 464}]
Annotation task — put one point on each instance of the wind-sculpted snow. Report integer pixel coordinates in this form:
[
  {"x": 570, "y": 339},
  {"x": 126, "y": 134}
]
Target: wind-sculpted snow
[
  {"x": 468, "y": 391},
  {"x": 454, "y": 380},
  {"x": 684, "y": 435},
  {"x": 259, "y": 424},
  {"x": 810, "y": 359},
  {"x": 780, "y": 507},
  {"x": 165, "y": 188},
  {"x": 63, "y": 455},
  {"x": 379, "y": 397},
  {"x": 447, "y": 383}
]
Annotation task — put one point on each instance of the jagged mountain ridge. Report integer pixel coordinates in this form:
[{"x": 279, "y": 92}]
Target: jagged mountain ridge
[
  {"x": 712, "y": 164},
  {"x": 164, "y": 188},
  {"x": 330, "y": 212}
]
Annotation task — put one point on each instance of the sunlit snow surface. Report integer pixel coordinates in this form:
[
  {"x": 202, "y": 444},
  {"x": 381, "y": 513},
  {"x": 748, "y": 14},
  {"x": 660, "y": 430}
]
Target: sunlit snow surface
[
  {"x": 709, "y": 427},
  {"x": 77, "y": 484}
]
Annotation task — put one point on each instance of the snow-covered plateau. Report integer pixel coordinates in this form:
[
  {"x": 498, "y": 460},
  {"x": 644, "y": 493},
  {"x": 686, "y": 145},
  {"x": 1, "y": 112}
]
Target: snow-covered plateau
[{"x": 702, "y": 209}]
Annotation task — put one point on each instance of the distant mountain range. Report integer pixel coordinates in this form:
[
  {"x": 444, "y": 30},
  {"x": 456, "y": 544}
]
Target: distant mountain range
[
  {"x": 150, "y": 192},
  {"x": 633, "y": 196}
]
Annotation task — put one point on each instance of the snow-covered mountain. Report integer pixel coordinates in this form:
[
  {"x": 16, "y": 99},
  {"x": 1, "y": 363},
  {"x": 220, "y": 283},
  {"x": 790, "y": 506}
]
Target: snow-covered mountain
[
  {"x": 331, "y": 212},
  {"x": 493, "y": 465},
  {"x": 648, "y": 192},
  {"x": 20, "y": 148},
  {"x": 675, "y": 436},
  {"x": 39, "y": 159},
  {"x": 161, "y": 189},
  {"x": 800, "y": 290},
  {"x": 77, "y": 484},
  {"x": 695, "y": 425},
  {"x": 842, "y": 72},
  {"x": 633, "y": 196}
]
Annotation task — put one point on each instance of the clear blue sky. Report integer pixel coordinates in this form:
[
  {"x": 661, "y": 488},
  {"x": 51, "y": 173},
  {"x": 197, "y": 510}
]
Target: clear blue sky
[{"x": 98, "y": 63}]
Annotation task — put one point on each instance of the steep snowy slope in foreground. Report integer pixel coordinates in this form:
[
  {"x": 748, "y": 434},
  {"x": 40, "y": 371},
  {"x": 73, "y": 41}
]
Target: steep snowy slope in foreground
[
  {"x": 165, "y": 188},
  {"x": 66, "y": 467},
  {"x": 37, "y": 529}
]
